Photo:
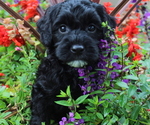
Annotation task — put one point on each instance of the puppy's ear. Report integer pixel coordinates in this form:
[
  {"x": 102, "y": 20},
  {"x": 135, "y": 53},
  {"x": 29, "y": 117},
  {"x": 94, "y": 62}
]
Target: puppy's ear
[
  {"x": 101, "y": 10},
  {"x": 44, "y": 25}
]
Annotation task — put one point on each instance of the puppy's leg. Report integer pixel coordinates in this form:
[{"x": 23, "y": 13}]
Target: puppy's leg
[
  {"x": 44, "y": 107},
  {"x": 40, "y": 109}
]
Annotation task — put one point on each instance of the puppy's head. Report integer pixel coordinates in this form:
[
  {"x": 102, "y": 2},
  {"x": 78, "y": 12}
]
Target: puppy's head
[{"x": 72, "y": 31}]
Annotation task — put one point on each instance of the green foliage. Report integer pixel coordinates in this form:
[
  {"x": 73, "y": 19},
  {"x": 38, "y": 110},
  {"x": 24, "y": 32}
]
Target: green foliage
[{"x": 19, "y": 68}]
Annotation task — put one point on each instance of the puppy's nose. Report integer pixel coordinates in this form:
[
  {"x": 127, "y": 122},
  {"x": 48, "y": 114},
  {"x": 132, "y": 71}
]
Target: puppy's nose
[{"x": 77, "y": 49}]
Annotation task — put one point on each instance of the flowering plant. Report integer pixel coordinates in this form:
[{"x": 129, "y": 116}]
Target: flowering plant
[{"x": 117, "y": 92}]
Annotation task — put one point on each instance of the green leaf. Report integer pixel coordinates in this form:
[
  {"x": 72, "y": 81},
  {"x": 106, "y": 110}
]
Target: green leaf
[
  {"x": 4, "y": 114},
  {"x": 2, "y": 49},
  {"x": 77, "y": 116},
  {"x": 123, "y": 100},
  {"x": 99, "y": 115},
  {"x": 43, "y": 123},
  {"x": 11, "y": 49},
  {"x": 97, "y": 92},
  {"x": 2, "y": 104},
  {"x": 122, "y": 84},
  {"x": 80, "y": 99},
  {"x": 104, "y": 24},
  {"x": 114, "y": 119},
  {"x": 16, "y": 56},
  {"x": 131, "y": 91},
  {"x": 108, "y": 96},
  {"x": 112, "y": 90},
  {"x": 91, "y": 101},
  {"x": 64, "y": 103},
  {"x": 126, "y": 122},
  {"x": 132, "y": 77},
  {"x": 5, "y": 94},
  {"x": 107, "y": 111},
  {"x": 68, "y": 91},
  {"x": 105, "y": 121},
  {"x": 102, "y": 102},
  {"x": 135, "y": 112},
  {"x": 62, "y": 94},
  {"x": 70, "y": 124},
  {"x": 3, "y": 122}
]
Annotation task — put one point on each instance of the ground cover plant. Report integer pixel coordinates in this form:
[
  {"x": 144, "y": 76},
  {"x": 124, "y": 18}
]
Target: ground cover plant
[{"x": 122, "y": 95}]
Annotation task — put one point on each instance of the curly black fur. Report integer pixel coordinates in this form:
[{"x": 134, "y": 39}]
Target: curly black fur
[{"x": 67, "y": 31}]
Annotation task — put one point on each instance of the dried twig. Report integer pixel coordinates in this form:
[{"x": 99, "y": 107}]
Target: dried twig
[
  {"x": 119, "y": 7},
  {"x": 11, "y": 114},
  {"x": 96, "y": 1},
  {"x": 40, "y": 11},
  {"x": 126, "y": 15}
]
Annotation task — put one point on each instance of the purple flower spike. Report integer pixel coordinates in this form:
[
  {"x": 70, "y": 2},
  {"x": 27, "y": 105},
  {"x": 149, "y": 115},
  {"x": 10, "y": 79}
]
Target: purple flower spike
[
  {"x": 116, "y": 65},
  {"x": 115, "y": 57},
  {"x": 81, "y": 72},
  {"x": 71, "y": 114},
  {"x": 64, "y": 120},
  {"x": 16, "y": 1},
  {"x": 71, "y": 119},
  {"x": 133, "y": 1},
  {"x": 126, "y": 80}
]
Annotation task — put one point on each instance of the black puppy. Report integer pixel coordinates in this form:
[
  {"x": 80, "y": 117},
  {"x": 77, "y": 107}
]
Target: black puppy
[{"x": 71, "y": 31}]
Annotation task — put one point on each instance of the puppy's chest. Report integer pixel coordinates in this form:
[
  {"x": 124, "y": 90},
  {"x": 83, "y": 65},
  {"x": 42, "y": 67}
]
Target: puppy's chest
[{"x": 71, "y": 78}]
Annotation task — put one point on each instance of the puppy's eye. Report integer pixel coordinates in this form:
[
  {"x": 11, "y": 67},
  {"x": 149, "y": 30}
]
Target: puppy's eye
[
  {"x": 63, "y": 29},
  {"x": 91, "y": 28}
]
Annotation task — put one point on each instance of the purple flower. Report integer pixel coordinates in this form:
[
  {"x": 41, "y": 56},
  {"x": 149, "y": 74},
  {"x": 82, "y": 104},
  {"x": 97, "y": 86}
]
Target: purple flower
[
  {"x": 133, "y": 1},
  {"x": 18, "y": 49},
  {"x": 87, "y": 79},
  {"x": 116, "y": 65},
  {"x": 81, "y": 121},
  {"x": 16, "y": 1},
  {"x": 84, "y": 89},
  {"x": 81, "y": 72},
  {"x": 71, "y": 114},
  {"x": 114, "y": 75},
  {"x": 147, "y": 15},
  {"x": 115, "y": 42},
  {"x": 61, "y": 123},
  {"x": 115, "y": 57},
  {"x": 71, "y": 120},
  {"x": 126, "y": 80},
  {"x": 64, "y": 120}
]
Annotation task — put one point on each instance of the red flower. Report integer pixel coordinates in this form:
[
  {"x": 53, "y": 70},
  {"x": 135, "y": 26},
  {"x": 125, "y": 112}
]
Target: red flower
[
  {"x": 18, "y": 39},
  {"x": 108, "y": 8},
  {"x": 4, "y": 38},
  {"x": 29, "y": 7},
  {"x": 145, "y": 0},
  {"x": 133, "y": 50},
  {"x": 6, "y": 86},
  {"x": 2, "y": 74},
  {"x": 130, "y": 30},
  {"x": 148, "y": 110},
  {"x": 137, "y": 57}
]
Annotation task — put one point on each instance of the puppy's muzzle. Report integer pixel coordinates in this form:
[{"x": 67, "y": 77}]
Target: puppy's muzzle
[{"x": 77, "y": 50}]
